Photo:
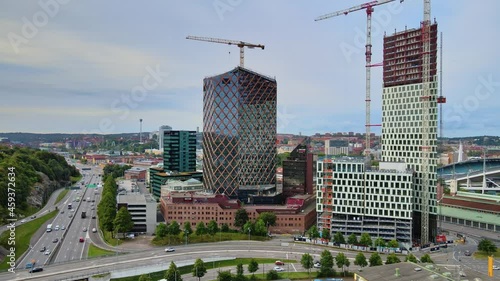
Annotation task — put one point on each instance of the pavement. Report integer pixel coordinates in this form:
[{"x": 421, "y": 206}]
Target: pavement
[{"x": 469, "y": 231}]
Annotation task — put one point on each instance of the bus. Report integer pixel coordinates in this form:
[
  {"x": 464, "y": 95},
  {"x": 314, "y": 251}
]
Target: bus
[
  {"x": 49, "y": 228},
  {"x": 70, "y": 206}
]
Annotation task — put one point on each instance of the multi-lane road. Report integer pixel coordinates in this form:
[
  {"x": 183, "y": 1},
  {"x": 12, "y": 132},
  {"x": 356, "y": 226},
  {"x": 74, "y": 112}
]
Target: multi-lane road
[{"x": 62, "y": 243}]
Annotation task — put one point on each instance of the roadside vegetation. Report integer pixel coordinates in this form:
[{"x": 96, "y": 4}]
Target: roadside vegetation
[
  {"x": 208, "y": 265},
  {"x": 95, "y": 251},
  {"x": 61, "y": 195},
  {"x": 23, "y": 236}
]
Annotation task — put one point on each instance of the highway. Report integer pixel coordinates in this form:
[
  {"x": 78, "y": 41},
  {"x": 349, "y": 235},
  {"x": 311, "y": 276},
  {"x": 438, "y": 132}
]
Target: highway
[
  {"x": 63, "y": 249},
  {"x": 271, "y": 249}
]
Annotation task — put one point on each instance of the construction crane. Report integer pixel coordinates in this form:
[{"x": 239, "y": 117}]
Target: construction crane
[
  {"x": 441, "y": 99},
  {"x": 426, "y": 99},
  {"x": 368, "y": 54},
  {"x": 240, "y": 44}
]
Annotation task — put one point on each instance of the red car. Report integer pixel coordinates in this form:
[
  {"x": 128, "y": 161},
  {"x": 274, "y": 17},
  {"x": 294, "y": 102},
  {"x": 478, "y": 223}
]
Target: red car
[
  {"x": 279, "y": 263},
  {"x": 82, "y": 240}
]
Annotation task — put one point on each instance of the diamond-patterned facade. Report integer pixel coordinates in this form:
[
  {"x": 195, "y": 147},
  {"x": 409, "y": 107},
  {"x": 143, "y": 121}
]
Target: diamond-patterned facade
[{"x": 239, "y": 127}]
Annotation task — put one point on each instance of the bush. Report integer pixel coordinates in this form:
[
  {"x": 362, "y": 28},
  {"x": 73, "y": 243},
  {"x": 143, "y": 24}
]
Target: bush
[{"x": 272, "y": 275}]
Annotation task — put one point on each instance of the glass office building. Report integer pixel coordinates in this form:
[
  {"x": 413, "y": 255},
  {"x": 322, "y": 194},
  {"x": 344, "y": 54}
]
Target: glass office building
[{"x": 239, "y": 127}]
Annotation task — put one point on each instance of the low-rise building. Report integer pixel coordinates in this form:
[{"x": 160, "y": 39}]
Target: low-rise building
[
  {"x": 136, "y": 173},
  {"x": 190, "y": 185},
  {"x": 142, "y": 208}
]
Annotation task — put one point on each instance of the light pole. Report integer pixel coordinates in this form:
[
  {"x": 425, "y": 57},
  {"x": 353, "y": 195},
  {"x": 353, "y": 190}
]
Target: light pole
[
  {"x": 187, "y": 233},
  {"x": 249, "y": 230}
]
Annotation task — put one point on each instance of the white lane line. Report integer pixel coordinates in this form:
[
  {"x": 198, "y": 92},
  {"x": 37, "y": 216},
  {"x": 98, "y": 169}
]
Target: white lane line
[{"x": 294, "y": 267}]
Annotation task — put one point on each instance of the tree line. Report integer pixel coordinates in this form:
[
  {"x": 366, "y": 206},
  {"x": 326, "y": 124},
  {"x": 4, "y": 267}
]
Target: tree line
[{"x": 364, "y": 240}]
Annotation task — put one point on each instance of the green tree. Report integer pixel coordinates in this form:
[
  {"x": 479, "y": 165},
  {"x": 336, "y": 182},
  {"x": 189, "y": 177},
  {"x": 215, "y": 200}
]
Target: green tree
[
  {"x": 224, "y": 276},
  {"x": 379, "y": 242},
  {"x": 172, "y": 273},
  {"x": 106, "y": 210},
  {"x": 487, "y": 246},
  {"x": 352, "y": 239},
  {"x": 249, "y": 227},
  {"x": 268, "y": 218},
  {"x": 313, "y": 232},
  {"x": 365, "y": 240},
  {"x": 253, "y": 266},
  {"x": 212, "y": 227},
  {"x": 239, "y": 273},
  {"x": 187, "y": 228},
  {"x": 339, "y": 238},
  {"x": 393, "y": 243},
  {"x": 375, "y": 260},
  {"x": 326, "y": 268},
  {"x": 392, "y": 258},
  {"x": 411, "y": 258},
  {"x": 325, "y": 234},
  {"x": 224, "y": 227},
  {"x": 260, "y": 228},
  {"x": 145, "y": 277},
  {"x": 307, "y": 262},
  {"x": 426, "y": 259},
  {"x": 201, "y": 228},
  {"x": 199, "y": 269},
  {"x": 272, "y": 275},
  {"x": 161, "y": 230},
  {"x": 360, "y": 260},
  {"x": 174, "y": 228},
  {"x": 123, "y": 221},
  {"x": 240, "y": 217},
  {"x": 342, "y": 261}
]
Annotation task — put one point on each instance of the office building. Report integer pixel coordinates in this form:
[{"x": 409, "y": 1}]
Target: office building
[
  {"x": 161, "y": 131},
  {"x": 353, "y": 199},
  {"x": 336, "y": 147},
  {"x": 179, "y": 151},
  {"x": 299, "y": 171},
  {"x": 239, "y": 131},
  {"x": 142, "y": 208},
  {"x": 402, "y": 115}
]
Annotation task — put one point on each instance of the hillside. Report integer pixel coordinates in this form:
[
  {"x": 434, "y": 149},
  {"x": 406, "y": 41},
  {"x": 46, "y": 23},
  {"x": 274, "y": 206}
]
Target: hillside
[{"x": 31, "y": 175}]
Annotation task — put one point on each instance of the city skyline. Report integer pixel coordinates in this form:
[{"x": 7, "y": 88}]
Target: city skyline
[{"x": 88, "y": 70}]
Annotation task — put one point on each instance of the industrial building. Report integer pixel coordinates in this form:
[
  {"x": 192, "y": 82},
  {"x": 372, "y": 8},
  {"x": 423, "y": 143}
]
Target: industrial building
[{"x": 239, "y": 131}]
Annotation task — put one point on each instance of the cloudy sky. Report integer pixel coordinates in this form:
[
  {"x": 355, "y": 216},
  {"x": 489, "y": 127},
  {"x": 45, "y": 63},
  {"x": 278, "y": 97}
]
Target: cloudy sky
[{"x": 100, "y": 66}]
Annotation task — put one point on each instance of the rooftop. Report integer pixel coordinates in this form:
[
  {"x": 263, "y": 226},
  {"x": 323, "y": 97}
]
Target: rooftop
[{"x": 135, "y": 198}]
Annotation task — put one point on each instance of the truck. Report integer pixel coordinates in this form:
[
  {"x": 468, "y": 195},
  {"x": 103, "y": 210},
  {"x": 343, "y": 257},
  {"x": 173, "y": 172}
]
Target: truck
[
  {"x": 49, "y": 227},
  {"x": 30, "y": 264},
  {"x": 84, "y": 215}
]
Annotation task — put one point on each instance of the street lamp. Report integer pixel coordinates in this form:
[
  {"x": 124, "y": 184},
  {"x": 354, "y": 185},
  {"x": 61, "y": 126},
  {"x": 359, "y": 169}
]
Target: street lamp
[
  {"x": 187, "y": 233},
  {"x": 249, "y": 230}
]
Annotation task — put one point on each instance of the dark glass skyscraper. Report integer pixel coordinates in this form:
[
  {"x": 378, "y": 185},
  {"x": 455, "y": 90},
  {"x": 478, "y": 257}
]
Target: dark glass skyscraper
[
  {"x": 298, "y": 171},
  {"x": 239, "y": 127},
  {"x": 179, "y": 151}
]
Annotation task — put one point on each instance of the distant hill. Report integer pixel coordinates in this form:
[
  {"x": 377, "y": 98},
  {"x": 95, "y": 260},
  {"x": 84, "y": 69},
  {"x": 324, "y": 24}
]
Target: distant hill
[{"x": 28, "y": 138}]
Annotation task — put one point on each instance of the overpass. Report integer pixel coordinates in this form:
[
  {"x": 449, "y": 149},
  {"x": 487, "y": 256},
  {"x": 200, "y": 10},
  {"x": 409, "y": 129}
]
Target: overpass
[{"x": 474, "y": 175}]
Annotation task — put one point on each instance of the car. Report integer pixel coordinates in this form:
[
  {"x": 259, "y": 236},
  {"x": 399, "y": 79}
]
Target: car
[
  {"x": 92, "y": 208},
  {"x": 47, "y": 252},
  {"x": 467, "y": 253},
  {"x": 63, "y": 227},
  {"x": 70, "y": 215},
  {"x": 168, "y": 250},
  {"x": 33, "y": 217},
  {"x": 93, "y": 217},
  {"x": 81, "y": 240},
  {"x": 55, "y": 240},
  {"x": 496, "y": 267},
  {"x": 94, "y": 230},
  {"x": 36, "y": 269},
  {"x": 84, "y": 229},
  {"x": 43, "y": 249},
  {"x": 56, "y": 228},
  {"x": 317, "y": 265},
  {"x": 62, "y": 212},
  {"x": 279, "y": 269},
  {"x": 279, "y": 263},
  {"x": 93, "y": 200},
  {"x": 23, "y": 221}
]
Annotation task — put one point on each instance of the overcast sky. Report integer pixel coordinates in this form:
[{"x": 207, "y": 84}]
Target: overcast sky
[{"x": 100, "y": 66}]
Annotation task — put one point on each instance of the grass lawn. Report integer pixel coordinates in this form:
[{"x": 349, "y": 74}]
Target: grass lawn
[
  {"x": 109, "y": 240},
  {"x": 23, "y": 236},
  {"x": 483, "y": 255},
  {"x": 95, "y": 251},
  {"x": 209, "y": 265},
  {"x": 61, "y": 195}
]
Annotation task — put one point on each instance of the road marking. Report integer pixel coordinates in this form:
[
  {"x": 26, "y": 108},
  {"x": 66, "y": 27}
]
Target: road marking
[{"x": 294, "y": 267}]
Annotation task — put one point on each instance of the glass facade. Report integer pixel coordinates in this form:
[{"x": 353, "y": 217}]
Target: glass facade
[
  {"x": 179, "y": 151},
  {"x": 295, "y": 172},
  {"x": 239, "y": 127}
]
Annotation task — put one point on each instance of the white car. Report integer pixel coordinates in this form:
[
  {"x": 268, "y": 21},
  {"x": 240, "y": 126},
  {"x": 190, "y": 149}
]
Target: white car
[
  {"x": 168, "y": 250},
  {"x": 47, "y": 253},
  {"x": 496, "y": 267},
  {"x": 94, "y": 230},
  {"x": 57, "y": 228},
  {"x": 279, "y": 269},
  {"x": 23, "y": 221},
  {"x": 317, "y": 265},
  {"x": 63, "y": 227}
]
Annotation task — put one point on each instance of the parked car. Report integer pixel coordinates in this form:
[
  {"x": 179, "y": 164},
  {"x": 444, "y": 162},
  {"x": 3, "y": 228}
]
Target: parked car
[
  {"x": 168, "y": 250},
  {"x": 467, "y": 253},
  {"x": 317, "y": 265},
  {"x": 279, "y": 263},
  {"x": 279, "y": 269}
]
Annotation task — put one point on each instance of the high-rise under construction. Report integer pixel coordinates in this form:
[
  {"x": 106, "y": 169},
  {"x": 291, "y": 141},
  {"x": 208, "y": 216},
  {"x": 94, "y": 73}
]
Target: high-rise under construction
[{"x": 403, "y": 115}]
